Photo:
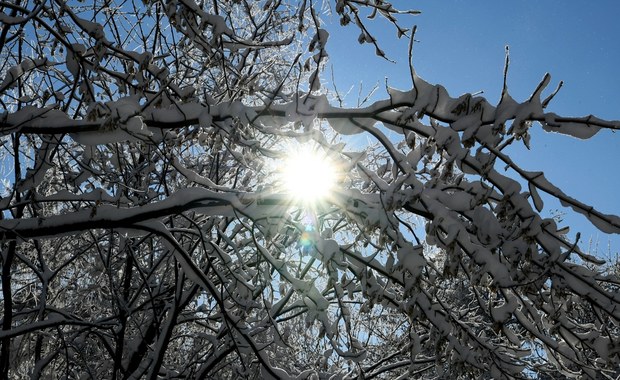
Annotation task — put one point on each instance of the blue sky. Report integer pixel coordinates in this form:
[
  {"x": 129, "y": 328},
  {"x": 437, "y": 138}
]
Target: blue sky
[{"x": 461, "y": 46}]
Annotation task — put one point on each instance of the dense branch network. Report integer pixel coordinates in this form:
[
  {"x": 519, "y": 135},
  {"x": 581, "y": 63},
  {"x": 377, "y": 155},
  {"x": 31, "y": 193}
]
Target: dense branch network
[{"x": 144, "y": 233}]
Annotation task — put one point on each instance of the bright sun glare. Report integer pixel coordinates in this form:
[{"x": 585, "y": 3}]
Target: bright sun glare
[{"x": 308, "y": 175}]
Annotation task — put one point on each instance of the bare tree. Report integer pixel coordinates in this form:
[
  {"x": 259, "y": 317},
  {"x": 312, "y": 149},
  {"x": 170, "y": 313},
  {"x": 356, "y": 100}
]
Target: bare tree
[{"x": 146, "y": 232}]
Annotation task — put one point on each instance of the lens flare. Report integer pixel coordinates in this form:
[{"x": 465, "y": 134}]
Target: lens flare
[{"x": 307, "y": 240}]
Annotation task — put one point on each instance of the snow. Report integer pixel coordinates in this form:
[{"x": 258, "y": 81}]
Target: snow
[
  {"x": 319, "y": 40},
  {"x": 459, "y": 201},
  {"x": 176, "y": 113},
  {"x": 91, "y": 196},
  {"x": 15, "y": 72},
  {"x": 488, "y": 230},
  {"x": 101, "y": 138},
  {"x": 194, "y": 177},
  {"x": 410, "y": 258},
  {"x": 572, "y": 129},
  {"x": 344, "y": 126},
  {"x": 137, "y": 128},
  {"x": 328, "y": 249},
  {"x": 93, "y": 29},
  {"x": 71, "y": 59},
  {"x": 503, "y": 312},
  {"x": 538, "y": 203}
]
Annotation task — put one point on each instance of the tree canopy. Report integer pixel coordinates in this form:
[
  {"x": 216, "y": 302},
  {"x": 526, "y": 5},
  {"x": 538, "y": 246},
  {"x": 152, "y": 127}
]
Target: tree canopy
[{"x": 182, "y": 198}]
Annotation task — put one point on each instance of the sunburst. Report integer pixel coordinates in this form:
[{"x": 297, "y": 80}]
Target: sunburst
[{"x": 308, "y": 175}]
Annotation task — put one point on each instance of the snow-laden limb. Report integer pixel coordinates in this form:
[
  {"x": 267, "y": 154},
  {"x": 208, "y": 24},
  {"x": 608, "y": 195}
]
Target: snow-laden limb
[
  {"x": 536, "y": 180},
  {"x": 54, "y": 320},
  {"x": 107, "y": 216},
  {"x": 465, "y": 114}
]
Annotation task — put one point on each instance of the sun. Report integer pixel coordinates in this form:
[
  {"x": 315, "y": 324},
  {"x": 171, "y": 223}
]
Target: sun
[{"x": 308, "y": 175}]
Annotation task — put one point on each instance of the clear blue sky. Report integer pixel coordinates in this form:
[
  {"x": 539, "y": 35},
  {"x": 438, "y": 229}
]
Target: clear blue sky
[{"x": 461, "y": 46}]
